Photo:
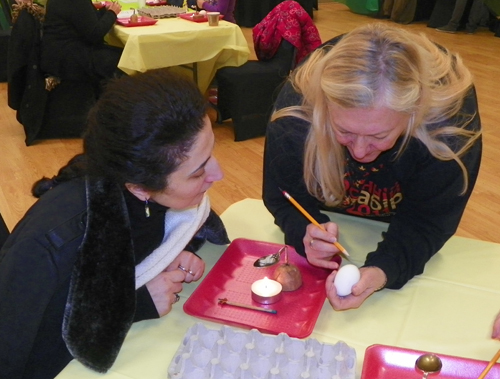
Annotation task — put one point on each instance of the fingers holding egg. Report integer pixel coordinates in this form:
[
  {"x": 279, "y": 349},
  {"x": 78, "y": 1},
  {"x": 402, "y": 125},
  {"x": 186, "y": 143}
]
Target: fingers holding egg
[{"x": 347, "y": 276}]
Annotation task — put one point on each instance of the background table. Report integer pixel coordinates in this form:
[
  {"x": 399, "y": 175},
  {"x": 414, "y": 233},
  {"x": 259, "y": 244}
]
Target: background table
[
  {"x": 175, "y": 42},
  {"x": 449, "y": 309}
]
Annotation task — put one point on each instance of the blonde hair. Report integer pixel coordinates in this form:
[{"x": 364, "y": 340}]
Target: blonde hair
[{"x": 378, "y": 65}]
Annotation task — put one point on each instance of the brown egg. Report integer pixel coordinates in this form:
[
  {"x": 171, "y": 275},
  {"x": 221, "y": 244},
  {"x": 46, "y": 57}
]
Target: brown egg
[{"x": 289, "y": 276}]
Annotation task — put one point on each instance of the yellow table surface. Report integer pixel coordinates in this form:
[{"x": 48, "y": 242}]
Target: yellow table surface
[
  {"x": 449, "y": 309},
  {"x": 175, "y": 41}
]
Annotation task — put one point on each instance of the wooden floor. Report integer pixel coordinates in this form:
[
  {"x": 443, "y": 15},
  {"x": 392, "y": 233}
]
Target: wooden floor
[{"x": 20, "y": 166}]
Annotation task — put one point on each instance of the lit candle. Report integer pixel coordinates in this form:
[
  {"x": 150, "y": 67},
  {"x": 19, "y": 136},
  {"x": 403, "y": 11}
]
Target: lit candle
[{"x": 266, "y": 291}]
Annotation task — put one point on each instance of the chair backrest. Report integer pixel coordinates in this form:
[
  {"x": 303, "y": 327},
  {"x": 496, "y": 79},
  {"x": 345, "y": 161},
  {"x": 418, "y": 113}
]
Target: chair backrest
[{"x": 284, "y": 58}]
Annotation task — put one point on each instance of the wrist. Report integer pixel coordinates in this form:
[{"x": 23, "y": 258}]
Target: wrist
[{"x": 382, "y": 275}]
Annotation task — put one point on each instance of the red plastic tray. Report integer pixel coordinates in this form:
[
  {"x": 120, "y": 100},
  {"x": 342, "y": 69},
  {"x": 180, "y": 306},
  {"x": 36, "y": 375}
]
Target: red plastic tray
[
  {"x": 388, "y": 362},
  {"x": 156, "y": 3},
  {"x": 189, "y": 17},
  {"x": 141, "y": 21},
  {"x": 231, "y": 278}
]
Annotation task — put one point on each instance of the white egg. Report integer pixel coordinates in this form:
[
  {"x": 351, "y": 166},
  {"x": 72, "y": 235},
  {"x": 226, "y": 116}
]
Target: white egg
[
  {"x": 346, "y": 277},
  {"x": 203, "y": 12}
]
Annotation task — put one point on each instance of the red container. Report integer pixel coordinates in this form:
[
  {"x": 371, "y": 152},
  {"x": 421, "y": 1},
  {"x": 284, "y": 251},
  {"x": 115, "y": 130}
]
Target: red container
[
  {"x": 389, "y": 362},
  {"x": 232, "y": 277}
]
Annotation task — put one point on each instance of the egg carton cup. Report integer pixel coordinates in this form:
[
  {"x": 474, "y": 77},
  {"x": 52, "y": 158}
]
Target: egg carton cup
[
  {"x": 162, "y": 11},
  {"x": 229, "y": 353}
]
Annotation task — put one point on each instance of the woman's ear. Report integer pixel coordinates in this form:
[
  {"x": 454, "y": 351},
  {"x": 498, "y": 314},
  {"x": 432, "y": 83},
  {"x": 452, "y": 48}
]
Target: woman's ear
[{"x": 138, "y": 191}]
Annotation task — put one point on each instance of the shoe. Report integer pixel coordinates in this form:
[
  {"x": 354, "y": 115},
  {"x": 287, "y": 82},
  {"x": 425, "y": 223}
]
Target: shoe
[
  {"x": 446, "y": 29},
  {"x": 470, "y": 31}
]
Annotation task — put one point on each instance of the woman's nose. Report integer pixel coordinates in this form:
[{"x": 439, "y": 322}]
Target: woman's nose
[
  {"x": 359, "y": 148},
  {"x": 214, "y": 171}
]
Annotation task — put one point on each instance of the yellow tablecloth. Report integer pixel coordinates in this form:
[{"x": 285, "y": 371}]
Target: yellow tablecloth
[
  {"x": 448, "y": 309},
  {"x": 175, "y": 41}
]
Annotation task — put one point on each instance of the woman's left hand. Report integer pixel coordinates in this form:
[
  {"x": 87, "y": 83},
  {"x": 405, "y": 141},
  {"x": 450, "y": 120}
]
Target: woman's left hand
[
  {"x": 190, "y": 263},
  {"x": 372, "y": 278},
  {"x": 114, "y": 6}
]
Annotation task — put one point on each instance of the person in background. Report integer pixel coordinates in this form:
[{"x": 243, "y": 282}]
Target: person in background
[
  {"x": 113, "y": 236},
  {"x": 477, "y": 13},
  {"x": 73, "y": 46},
  {"x": 378, "y": 123},
  {"x": 225, "y": 7}
]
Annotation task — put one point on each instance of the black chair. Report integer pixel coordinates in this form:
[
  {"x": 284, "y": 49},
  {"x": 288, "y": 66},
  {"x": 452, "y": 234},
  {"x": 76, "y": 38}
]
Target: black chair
[
  {"x": 5, "y": 26},
  {"x": 57, "y": 113},
  {"x": 246, "y": 94}
]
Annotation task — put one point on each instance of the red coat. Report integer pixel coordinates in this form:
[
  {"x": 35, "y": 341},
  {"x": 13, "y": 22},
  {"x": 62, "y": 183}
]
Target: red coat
[{"x": 290, "y": 21}]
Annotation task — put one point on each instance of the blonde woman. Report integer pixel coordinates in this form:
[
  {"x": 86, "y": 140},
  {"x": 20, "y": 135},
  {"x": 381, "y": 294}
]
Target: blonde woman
[{"x": 379, "y": 123}]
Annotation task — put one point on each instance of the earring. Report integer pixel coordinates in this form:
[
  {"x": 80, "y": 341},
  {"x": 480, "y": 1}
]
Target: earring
[{"x": 146, "y": 208}]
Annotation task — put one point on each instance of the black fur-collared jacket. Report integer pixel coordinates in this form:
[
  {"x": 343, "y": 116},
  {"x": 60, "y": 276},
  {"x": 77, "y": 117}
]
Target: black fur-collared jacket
[{"x": 67, "y": 279}]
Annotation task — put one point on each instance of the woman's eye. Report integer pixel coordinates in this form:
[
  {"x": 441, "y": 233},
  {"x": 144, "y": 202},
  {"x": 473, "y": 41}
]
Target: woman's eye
[{"x": 200, "y": 174}]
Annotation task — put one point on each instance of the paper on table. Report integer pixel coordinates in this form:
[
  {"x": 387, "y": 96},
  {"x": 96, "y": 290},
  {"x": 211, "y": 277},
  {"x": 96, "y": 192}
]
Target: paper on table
[{"x": 125, "y": 14}]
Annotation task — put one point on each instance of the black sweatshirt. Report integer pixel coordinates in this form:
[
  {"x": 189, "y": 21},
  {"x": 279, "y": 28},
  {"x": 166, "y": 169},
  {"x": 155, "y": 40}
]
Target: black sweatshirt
[
  {"x": 416, "y": 193},
  {"x": 71, "y": 31}
]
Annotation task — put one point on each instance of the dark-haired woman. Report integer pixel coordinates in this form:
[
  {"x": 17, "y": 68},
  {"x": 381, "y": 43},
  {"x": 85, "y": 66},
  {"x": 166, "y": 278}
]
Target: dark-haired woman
[{"x": 113, "y": 235}]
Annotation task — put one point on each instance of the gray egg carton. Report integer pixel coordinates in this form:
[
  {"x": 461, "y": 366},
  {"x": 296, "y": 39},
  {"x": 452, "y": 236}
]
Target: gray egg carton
[{"x": 229, "y": 353}]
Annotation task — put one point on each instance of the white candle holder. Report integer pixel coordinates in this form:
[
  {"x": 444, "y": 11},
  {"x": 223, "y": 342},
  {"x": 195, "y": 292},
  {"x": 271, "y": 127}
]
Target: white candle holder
[{"x": 266, "y": 291}]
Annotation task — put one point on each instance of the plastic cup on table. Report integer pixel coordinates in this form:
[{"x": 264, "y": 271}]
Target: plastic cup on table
[{"x": 213, "y": 18}]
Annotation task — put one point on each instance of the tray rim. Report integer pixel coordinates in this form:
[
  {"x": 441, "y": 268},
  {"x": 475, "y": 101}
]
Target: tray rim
[
  {"x": 186, "y": 17},
  {"x": 148, "y": 21}
]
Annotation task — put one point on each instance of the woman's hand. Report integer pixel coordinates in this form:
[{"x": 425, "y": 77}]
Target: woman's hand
[
  {"x": 199, "y": 3},
  {"x": 319, "y": 245},
  {"x": 114, "y": 6},
  {"x": 164, "y": 288},
  {"x": 192, "y": 265},
  {"x": 496, "y": 328},
  {"x": 372, "y": 278}
]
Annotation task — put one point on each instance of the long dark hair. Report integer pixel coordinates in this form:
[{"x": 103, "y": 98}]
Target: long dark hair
[{"x": 139, "y": 131}]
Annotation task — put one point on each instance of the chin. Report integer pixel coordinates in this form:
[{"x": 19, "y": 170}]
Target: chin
[
  {"x": 365, "y": 160},
  {"x": 196, "y": 201}
]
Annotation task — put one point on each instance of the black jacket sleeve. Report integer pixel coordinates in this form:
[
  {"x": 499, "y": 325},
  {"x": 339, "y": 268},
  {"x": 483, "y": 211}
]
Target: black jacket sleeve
[
  {"x": 283, "y": 170},
  {"x": 34, "y": 277},
  {"x": 81, "y": 18}
]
